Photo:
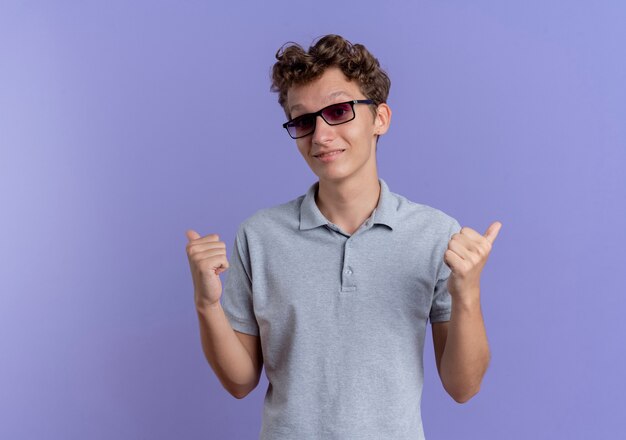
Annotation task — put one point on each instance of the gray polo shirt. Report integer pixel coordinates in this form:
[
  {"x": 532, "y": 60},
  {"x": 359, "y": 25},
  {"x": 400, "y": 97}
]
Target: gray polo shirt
[{"x": 341, "y": 317}]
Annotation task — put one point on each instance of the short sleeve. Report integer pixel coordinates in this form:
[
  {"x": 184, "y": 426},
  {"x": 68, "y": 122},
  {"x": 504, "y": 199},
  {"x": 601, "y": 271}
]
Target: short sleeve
[
  {"x": 441, "y": 306},
  {"x": 237, "y": 300}
]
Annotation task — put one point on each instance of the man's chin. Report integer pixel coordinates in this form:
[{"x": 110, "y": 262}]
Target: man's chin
[{"x": 335, "y": 177}]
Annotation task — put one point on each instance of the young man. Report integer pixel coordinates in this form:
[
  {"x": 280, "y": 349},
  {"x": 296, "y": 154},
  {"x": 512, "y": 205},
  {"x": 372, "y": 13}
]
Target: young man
[{"x": 332, "y": 291}]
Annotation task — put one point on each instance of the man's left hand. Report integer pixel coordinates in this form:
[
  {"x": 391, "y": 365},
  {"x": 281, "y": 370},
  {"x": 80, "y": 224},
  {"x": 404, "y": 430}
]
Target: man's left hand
[{"x": 466, "y": 256}]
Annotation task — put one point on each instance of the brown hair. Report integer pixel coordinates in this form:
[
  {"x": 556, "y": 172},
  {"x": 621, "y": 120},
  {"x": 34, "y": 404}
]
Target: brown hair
[{"x": 297, "y": 67}]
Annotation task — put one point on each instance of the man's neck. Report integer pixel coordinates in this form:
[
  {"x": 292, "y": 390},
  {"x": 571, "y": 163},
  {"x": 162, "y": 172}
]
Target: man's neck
[{"x": 349, "y": 203}]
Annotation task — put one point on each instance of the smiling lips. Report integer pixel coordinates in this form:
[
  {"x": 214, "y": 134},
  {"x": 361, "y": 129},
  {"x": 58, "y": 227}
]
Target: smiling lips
[{"x": 328, "y": 154}]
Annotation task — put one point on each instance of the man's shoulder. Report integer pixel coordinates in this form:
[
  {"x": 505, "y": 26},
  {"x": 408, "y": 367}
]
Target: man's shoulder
[
  {"x": 274, "y": 217},
  {"x": 422, "y": 213}
]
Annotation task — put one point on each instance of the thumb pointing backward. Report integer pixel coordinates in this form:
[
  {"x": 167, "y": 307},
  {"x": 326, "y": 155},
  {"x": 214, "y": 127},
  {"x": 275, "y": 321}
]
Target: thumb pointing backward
[
  {"x": 492, "y": 231},
  {"x": 192, "y": 235}
]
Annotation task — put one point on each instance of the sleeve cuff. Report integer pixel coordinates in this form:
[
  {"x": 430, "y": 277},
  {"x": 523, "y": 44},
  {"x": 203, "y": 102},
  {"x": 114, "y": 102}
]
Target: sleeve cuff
[{"x": 241, "y": 325}]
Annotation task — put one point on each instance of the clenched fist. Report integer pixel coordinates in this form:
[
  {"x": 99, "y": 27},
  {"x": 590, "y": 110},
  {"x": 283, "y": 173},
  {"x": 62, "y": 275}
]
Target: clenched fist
[
  {"x": 466, "y": 256},
  {"x": 207, "y": 259}
]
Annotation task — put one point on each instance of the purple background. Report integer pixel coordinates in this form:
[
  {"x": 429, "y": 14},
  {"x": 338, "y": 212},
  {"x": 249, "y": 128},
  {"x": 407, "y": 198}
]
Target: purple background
[{"x": 122, "y": 124}]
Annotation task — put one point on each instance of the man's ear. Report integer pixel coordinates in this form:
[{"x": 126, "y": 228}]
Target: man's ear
[{"x": 383, "y": 119}]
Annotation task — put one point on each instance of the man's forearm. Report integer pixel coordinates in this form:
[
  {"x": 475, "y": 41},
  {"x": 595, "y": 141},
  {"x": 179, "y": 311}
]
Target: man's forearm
[
  {"x": 227, "y": 356},
  {"x": 466, "y": 354}
]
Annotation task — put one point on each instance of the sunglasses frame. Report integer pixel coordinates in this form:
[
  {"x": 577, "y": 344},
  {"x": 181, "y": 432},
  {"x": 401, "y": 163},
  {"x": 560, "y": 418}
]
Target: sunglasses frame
[{"x": 320, "y": 113}]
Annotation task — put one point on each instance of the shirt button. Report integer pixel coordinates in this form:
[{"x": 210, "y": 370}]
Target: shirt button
[{"x": 348, "y": 272}]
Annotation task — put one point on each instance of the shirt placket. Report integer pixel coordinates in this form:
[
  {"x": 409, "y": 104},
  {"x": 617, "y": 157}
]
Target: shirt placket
[
  {"x": 348, "y": 283},
  {"x": 348, "y": 276}
]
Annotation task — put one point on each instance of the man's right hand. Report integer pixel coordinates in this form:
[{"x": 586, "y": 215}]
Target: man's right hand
[{"x": 207, "y": 259}]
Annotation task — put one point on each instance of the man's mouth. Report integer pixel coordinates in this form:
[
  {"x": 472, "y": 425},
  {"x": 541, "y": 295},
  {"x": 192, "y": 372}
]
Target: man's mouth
[{"x": 329, "y": 153}]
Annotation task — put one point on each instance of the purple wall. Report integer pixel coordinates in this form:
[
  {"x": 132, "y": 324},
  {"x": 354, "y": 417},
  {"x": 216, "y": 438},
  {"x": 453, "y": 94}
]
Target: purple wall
[{"x": 122, "y": 124}]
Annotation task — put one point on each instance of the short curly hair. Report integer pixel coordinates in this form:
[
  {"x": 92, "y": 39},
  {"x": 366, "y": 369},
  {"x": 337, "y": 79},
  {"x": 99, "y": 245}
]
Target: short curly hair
[{"x": 297, "y": 67}]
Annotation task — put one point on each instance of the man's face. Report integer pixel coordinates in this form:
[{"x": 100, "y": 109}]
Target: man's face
[{"x": 353, "y": 142}]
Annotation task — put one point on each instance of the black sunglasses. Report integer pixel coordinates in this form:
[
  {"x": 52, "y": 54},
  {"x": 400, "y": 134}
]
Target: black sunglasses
[{"x": 333, "y": 114}]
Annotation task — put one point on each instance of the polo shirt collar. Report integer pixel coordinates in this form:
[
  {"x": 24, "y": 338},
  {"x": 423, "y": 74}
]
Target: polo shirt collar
[{"x": 311, "y": 217}]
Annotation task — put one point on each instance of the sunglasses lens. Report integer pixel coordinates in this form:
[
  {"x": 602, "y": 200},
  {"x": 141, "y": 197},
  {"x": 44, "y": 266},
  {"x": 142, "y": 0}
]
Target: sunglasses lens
[
  {"x": 334, "y": 114},
  {"x": 301, "y": 126},
  {"x": 338, "y": 113}
]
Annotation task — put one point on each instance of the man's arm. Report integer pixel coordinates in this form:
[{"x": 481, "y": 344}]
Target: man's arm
[
  {"x": 461, "y": 346},
  {"x": 461, "y": 351},
  {"x": 235, "y": 357}
]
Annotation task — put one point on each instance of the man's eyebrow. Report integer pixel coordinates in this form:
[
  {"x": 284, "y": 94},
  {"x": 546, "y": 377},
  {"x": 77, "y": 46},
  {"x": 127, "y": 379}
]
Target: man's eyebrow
[
  {"x": 337, "y": 93},
  {"x": 295, "y": 107},
  {"x": 328, "y": 98}
]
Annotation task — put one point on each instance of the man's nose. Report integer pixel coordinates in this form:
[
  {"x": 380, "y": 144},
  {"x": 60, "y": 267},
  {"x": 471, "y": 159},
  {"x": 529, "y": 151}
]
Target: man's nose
[{"x": 323, "y": 131}]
